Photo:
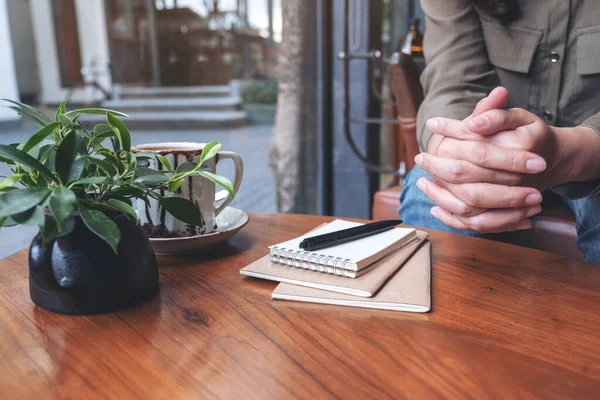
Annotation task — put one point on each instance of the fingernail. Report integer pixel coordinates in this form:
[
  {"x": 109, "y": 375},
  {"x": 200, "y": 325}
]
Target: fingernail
[
  {"x": 535, "y": 165},
  {"x": 421, "y": 185},
  {"x": 432, "y": 123},
  {"x": 496, "y": 89},
  {"x": 435, "y": 212},
  {"x": 480, "y": 121},
  {"x": 524, "y": 225},
  {"x": 533, "y": 199},
  {"x": 534, "y": 210},
  {"x": 419, "y": 159}
]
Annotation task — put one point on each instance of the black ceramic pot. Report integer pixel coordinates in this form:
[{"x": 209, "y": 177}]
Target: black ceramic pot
[{"x": 80, "y": 274}]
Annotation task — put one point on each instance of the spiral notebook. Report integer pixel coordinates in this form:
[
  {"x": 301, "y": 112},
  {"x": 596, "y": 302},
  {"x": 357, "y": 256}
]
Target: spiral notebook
[
  {"x": 409, "y": 289},
  {"x": 364, "y": 286},
  {"x": 353, "y": 256}
]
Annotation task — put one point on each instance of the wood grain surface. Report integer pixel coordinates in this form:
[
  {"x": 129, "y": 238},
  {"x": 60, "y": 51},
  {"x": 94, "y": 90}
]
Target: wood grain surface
[{"x": 507, "y": 322}]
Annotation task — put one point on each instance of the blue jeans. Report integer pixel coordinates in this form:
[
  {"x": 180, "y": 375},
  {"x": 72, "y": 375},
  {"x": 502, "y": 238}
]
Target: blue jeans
[{"x": 415, "y": 206}]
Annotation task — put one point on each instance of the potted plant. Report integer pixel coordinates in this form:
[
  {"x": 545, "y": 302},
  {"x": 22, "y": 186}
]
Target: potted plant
[{"x": 91, "y": 255}]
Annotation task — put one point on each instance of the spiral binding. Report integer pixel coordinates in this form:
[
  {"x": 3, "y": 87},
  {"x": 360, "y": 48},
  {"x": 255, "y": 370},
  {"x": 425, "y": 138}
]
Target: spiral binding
[{"x": 315, "y": 262}]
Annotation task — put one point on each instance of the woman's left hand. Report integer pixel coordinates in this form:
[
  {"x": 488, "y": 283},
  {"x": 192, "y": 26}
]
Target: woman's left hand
[{"x": 514, "y": 141}]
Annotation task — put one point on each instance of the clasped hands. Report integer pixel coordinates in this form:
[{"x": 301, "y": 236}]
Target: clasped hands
[{"x": 489, "y": 169}]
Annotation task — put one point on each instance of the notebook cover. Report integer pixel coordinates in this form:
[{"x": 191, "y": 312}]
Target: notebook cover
[
  {"x": 364, "y": 286},
  {"x": 409, "y": 289}
]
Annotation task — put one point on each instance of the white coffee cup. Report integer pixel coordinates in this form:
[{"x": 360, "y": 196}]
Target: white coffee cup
[{"x": 197, "y": 189}]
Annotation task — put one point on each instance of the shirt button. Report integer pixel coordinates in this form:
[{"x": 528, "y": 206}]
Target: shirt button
[
  {"x": 554, "y": 57},
  {"x": 548, "y": 116}
]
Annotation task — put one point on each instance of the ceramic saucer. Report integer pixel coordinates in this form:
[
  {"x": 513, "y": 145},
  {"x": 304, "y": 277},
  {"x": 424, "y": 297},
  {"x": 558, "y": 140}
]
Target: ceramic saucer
[{"x": 229, "y": 222}]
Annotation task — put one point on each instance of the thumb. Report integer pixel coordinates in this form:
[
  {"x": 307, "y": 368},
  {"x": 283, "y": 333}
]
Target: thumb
[{"x": 497, "y": 99}]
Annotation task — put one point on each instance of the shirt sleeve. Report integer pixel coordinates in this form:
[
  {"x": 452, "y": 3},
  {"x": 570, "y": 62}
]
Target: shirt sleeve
[
  {"x": 579, "y": 190},
  {"x": 458, "y": 72},
  {"x": 593, "y": 122}
]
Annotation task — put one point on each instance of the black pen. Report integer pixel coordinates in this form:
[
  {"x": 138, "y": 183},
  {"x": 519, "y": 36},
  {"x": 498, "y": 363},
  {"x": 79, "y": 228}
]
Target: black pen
[{"x": 347, "y": 235}]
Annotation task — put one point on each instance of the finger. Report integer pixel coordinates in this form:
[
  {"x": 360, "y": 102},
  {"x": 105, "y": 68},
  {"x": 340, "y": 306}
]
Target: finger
[
  {"x": 451, "y": 128},
  {"x": 501, "y": 220},
  {"x": 491, "y": 156},
  {"x": 448, "y": 218},
  {"x": 489, "y": 223},
  {"x": 444, "y": 198},
  {"x": 498, "y": 98},
  {"x": 459, "y": 171},
  {"x": 494, "y": 121},
  {"x": 489, "y": 195}
]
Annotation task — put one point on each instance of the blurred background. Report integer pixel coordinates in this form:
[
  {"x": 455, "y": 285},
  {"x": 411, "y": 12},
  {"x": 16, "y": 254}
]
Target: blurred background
[{"x": 263, "y": 77}]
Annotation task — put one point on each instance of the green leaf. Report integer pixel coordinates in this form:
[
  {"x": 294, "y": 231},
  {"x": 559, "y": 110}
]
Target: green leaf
[
  {"x": 149, "y": 176},
  {"x": 17, "y": 201},
  {"x": 131, "y": 191},
  {"x": 146, "y": 172},
  {"x": 34, "y": 217},
  {"x": 11, "y": 180},
  {"x": 97, "y": 111},
  {"x": 77, "y": 125},
  {"x": 50, "y": 159},
  {"x": 49, "y": 231},
  {"x": 175, "y": 185},
  {"x": 30, "y": 112},
  {"x": 124, "y": 135},
  {"x": 107, "y": 167},
  {"x": 7, "y": 223},
  {"x": 65, "y": 121},
  {"x": 69, "y": 165},
  {"x": 62, "y": 108},
  {"x": 94, "y": 180},
  {"x": 102, "y": 129},
  {"x": 120, "y": 197},
  {"x": 130, "y": 160},
  {"x": 185, "y": 167},
  {"x": 209, "y": 151},
  {"x": 30, "y": 117},
  {"x": 62, "y": 205},
  {"x": 117, "y": 143},
  {"x": 23, "y": 158},
  {"x": 39, "y": 136},
  {"x": 164, "y": 161},
  {"x": 221, "y": 180},
  {"x": 183, "y": 170},
  {"x": 147, "y": 179},
  {"x": 109, "y": 156},
  {"x": 101, "y": 133},
  {"x": 45, "y": 151},
  {"x": 123, "y": 207},
  {"x": 183, "y": 209},
  {"x": 101, "y": 225}
]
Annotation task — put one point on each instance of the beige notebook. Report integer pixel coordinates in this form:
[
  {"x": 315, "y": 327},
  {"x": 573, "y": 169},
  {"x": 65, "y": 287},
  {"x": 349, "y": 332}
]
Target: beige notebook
[
  {"x": 352, "y": 256},
  {"x": 409, "y": 289},
  {"x": 364, "y": 286}
]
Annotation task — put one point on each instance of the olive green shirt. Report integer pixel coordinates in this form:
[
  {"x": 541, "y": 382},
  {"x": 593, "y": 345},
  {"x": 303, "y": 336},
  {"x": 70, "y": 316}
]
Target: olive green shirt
[{"x": 548, "y": 59}]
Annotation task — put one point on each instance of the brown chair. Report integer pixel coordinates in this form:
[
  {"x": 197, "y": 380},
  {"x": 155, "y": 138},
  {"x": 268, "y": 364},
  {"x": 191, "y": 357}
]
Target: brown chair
[{"x": 553, "y": 229}]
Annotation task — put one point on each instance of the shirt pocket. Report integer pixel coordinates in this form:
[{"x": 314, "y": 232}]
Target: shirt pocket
[
  {"x": 511, "y": 48},
  {"x": 588, "y": 50}
]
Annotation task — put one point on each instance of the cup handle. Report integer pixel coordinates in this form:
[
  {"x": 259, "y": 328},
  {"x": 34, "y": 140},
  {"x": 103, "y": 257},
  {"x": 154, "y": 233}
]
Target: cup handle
[{"x": 222, "y": 197}]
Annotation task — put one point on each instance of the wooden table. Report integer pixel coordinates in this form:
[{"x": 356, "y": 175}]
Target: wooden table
[{"x": 506, "y": 322}]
